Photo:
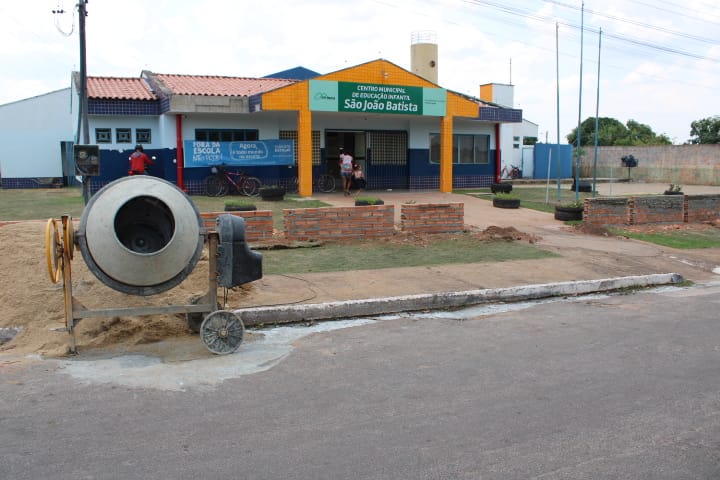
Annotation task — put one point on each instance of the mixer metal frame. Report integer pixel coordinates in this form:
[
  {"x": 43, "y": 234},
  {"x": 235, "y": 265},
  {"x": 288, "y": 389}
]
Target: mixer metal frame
[{"x": 221, "y": 330}]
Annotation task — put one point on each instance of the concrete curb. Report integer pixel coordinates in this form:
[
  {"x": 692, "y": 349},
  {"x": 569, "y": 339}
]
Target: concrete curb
[{"x": 436, "y": 301}]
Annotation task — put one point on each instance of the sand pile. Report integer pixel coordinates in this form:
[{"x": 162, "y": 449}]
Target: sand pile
[{"x": 33, "y": 306}]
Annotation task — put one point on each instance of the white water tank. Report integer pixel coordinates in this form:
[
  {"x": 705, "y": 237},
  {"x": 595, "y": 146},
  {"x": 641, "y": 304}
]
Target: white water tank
[{"x": 424, "y": 55}]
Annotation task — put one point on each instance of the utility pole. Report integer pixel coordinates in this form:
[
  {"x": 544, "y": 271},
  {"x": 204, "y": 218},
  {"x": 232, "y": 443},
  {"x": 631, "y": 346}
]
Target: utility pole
[
  {"x": 83, "y": 111},
  {"x": 597, "y": 113},
  {"x": 557, "y": 109},
  {"x": 577, "y": 163}
]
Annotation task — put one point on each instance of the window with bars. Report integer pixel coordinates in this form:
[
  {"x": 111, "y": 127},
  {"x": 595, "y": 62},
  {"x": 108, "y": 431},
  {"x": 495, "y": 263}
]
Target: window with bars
[
  {"x": 123, "y": 135},
  {"x": 467, "y": 149},
  {"x": 142, "y": 135},
  {"x": 293, "y": 135},
  {"x": 103, "y": 135},
  {"x": 225, "y": 135},
  {"x": 388, "y": 148}
]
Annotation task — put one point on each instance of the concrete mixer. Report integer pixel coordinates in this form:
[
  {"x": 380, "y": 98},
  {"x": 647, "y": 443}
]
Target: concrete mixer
[{"x": 142, "y": 235}]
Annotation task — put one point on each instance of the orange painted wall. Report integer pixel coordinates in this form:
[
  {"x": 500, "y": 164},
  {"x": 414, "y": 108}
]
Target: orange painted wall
[{"x": 295, "y": 98}]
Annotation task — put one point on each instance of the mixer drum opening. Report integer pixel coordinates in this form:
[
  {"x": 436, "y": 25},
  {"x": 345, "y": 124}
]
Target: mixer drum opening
[
  {"x": 144, "y": 225},
  {"x": 141, "y": 235}
]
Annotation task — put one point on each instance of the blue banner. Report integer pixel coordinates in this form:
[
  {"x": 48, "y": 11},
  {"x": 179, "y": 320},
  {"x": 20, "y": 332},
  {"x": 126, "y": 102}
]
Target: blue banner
[{"x": 239, "y": 154}]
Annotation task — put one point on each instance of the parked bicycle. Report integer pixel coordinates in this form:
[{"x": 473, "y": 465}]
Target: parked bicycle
[
  {"x": 323, "y": 183},
  {"x": 513, "y": 172},
  {"x": 218, "y": 184}
]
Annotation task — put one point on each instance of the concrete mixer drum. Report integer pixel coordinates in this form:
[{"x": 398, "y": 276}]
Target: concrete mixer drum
[{"x": 141, "y": 235}]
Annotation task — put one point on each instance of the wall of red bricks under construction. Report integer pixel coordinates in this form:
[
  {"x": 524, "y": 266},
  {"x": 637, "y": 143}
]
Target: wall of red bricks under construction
[
  {"x": 652, "y": 209},
  {"x": 377, "y": 221},
  {"x": 341, "y": 223}
]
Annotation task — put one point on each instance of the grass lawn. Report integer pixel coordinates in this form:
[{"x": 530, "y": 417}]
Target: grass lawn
[
  {"x": 40, "y": 203},
  {"x": 534, "y": 197},
  {"x": 681, "y": 239},
  {"x": 459, "y": 249}
]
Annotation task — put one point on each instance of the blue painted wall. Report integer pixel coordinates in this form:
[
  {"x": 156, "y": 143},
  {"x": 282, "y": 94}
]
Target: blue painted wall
[{"x": 541, "y": 155}]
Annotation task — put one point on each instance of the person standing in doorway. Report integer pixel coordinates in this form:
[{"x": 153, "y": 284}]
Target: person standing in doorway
[
  {"x": 346, "y": 162},
  {"x": 139, "y": 161}
]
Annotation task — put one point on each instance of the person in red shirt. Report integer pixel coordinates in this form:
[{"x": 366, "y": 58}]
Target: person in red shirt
[{"x": 139, "y": 161}]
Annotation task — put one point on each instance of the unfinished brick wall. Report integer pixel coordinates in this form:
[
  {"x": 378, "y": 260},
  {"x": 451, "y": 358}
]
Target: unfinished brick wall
[
  {"x": 336, "y": 223},
  {"x": 651, "y": 209},
  {"x": 258, "y": 223},
  {"x": 432, "y": 218},
  {"x": 657, "y": 209},
  {"x": 702, "y": 208},
  {"x": 606, "y": 211}
]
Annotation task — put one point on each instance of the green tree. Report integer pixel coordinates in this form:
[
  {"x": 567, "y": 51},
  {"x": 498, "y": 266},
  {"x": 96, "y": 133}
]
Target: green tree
[
  {"x": 706, "y": 130},
  {"x": 612, "y": 132},
  {"x": 641, "y": 134}
]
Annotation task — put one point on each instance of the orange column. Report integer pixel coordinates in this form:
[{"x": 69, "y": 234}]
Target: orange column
[
  {"x": 304, "y": 154},
  {"x": 446, "y": 154}
]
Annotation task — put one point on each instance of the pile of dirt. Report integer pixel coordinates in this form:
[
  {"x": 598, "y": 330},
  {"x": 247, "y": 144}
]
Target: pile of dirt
[
  {"x": 490, "y": 234},
  {"x": 508, "y": 234}
]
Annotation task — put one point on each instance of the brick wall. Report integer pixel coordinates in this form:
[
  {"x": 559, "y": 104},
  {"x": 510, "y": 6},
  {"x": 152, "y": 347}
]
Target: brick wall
[
  {"x": 651, "y": 209},
  {"x": 657, "y": 209},
  {"x": 258, "y": 223},
  {"x": 702, "y": 208},
  {"x": 336, "y": 223},
  {"x": 432, "y": 218},
  {"x": 607, "y": 211}
]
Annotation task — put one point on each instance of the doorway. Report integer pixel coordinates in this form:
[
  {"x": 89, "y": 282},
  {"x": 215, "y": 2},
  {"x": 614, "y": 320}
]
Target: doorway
[{"x": 352, "y": 141}]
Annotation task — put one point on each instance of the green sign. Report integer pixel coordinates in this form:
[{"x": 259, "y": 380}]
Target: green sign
[{"x": 328, "y": 96}]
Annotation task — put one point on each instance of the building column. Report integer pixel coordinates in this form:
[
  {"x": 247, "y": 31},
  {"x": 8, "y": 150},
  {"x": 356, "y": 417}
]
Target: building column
[
  {"x": 304, "y": 153},
  {"x": 180, "y": 152},
  {"x": 498, "y": 155},
  {"x": 446, "y": 154}
]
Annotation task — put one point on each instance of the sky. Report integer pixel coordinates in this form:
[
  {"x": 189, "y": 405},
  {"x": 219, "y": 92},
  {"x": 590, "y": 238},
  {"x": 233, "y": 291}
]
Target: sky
[{"x": 659, "y": 61}]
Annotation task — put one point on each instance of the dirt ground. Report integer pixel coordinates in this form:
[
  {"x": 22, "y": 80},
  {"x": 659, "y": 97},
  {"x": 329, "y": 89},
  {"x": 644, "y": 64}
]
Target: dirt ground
[{"x": 32, "y": 306}]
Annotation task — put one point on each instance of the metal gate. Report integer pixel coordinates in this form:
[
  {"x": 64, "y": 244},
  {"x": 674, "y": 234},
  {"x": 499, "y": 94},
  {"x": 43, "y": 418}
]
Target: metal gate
[{"x": 387, "y": 160}]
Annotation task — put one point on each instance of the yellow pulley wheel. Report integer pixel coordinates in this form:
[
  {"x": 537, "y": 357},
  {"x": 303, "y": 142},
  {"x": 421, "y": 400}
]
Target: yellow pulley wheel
[
  {"x": 53, "y": 250},
  {"x": 68, "y": 236}
]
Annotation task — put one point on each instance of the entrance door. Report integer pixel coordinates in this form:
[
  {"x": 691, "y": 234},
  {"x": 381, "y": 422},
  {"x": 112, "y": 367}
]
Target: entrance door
[{"x": 352, "y": 141}]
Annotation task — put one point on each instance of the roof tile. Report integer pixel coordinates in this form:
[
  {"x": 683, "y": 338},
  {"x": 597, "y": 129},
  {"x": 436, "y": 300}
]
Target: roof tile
[
  {"x": 220, "y": 86},
  {"x": 115, "y": 88}
]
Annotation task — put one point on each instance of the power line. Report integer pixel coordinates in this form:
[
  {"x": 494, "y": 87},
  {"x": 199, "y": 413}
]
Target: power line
[
  {"x": 638, "y": 23},
  {"x": 526, "y": 14}
]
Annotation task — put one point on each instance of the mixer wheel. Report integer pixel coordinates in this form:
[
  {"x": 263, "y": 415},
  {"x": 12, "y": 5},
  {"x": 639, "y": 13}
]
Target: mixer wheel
[
  {"x": 53, "y": 250},
  {"x": 222, "y": 332},
  {"x": 69, "y": 237}
]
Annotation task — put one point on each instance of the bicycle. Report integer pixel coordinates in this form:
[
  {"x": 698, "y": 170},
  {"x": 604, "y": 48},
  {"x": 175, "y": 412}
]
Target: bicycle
[
  {"x": 324, "y": 183},
  {"x": 218, "y": 184},
  {"x": 512, "y": 173}
]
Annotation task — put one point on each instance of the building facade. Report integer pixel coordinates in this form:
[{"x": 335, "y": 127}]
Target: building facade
[{"x": 404, "y": 130}]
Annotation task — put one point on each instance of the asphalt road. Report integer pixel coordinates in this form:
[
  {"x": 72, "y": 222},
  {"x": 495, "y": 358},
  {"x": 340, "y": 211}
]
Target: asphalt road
[{"x": 623, "y": 386}]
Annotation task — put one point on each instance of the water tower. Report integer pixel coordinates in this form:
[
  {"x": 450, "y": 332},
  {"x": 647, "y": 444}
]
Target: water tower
[{"x": 424, "y": 55}]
